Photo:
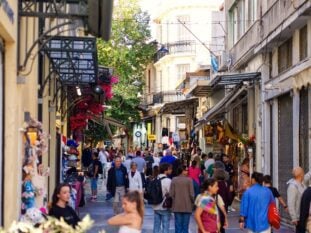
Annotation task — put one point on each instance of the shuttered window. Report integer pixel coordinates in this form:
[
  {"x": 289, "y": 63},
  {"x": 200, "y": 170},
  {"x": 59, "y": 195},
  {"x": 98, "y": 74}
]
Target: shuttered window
[
  {"x": 303, "y": 43},
  {"x": 285, "y": 54},
  {"x": 303, "y": 130},
  {"x": 285, "y": 143}
]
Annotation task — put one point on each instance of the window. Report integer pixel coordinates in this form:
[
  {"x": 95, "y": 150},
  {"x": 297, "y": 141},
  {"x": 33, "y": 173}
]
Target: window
[
  {"x": 285, "y": 55},
  {"x": 149, "y": 81},
  {"x": 303, "y": 43},
  {"x": 251, "y": 12},
  {"x": 182, "y": 32},
  {"x": 181, "y": 70},
  {"x": 241, "y": 18}
]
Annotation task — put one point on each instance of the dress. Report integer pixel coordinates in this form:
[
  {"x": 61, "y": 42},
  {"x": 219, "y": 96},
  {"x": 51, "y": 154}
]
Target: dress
[{"x": 126, "y": 229}]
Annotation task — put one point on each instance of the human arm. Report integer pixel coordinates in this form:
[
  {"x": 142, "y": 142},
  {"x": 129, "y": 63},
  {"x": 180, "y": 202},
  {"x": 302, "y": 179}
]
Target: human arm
[
  {"x": 291, "y": 202},
  {"x": 221, "y": 205},
  {"x": 281, "y": 200},
  {"x": 197, "y": 217},
  {"x": 120, "y": 219},
  {"x": 140, "y": 182},
  {"x": 243, "y": 210}
]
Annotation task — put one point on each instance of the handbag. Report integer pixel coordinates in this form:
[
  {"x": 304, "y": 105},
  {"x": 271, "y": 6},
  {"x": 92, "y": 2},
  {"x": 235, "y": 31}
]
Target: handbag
[
  {"x": 274, "y": 216},
  {"x": 168, "y": 202}
]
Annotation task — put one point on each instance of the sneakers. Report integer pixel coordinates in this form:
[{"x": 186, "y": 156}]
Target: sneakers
[{"x": 231, "y": 209}]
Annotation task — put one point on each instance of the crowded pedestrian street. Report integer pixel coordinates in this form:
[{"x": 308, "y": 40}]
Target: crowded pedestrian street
[
  {"x": 101, "y": 210},
  {"x": 162, "y": 116}
]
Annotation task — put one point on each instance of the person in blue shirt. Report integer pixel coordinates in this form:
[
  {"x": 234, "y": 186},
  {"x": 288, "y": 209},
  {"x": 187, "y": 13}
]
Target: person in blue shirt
[
  {"x": 254, "y": 206},
  {"x": 168, "y": 158}
]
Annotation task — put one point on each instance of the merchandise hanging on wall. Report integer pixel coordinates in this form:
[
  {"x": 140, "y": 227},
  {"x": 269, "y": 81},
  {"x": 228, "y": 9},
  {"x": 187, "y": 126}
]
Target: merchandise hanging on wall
[{"x": 34, "y": 178}]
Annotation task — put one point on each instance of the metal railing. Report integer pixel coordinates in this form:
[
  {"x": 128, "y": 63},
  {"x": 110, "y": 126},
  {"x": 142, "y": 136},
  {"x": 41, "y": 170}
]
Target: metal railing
[
  {"x": 185, "y": 46},
  {"x": 162, "y": 97}
]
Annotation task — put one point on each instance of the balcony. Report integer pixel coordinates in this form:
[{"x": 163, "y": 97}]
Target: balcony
[
  {"x": 162, "y": 97},
  {"x": 277, "y": 24},
  {"x": 179, "y": 47}
]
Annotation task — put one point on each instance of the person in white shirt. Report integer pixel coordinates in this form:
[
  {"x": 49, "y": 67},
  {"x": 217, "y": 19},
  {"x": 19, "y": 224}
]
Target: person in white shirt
[
  {"x": 156, "y": 159},
  {"x": 103, "y": 158},
  {"x": 210, "y": 161},
  {"x": 127, "y": 162},
  {"x": 162, "y": 215},
  {"x": 135, "y": 179}
]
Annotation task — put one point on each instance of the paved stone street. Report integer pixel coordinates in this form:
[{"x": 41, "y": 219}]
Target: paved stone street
[{"x": 101, "y": 210}]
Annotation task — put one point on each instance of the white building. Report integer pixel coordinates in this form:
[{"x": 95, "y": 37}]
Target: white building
[{"x": 183, "y": 30}]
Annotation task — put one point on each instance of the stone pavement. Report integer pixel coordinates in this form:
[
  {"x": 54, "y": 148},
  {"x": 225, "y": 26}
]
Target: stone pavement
[{"x": 101, "y": 210}]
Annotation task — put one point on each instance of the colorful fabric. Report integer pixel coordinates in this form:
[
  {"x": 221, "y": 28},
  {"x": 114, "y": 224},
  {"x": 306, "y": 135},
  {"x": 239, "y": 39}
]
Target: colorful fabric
[{"x": 210, "y": 216}]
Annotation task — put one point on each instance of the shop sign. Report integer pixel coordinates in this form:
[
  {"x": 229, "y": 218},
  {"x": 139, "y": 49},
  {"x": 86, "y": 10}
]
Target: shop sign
[
  {"x": 138, "y": 134},
  {"x": 152, "y": 137},
  {"x": 7, "y": 9}
]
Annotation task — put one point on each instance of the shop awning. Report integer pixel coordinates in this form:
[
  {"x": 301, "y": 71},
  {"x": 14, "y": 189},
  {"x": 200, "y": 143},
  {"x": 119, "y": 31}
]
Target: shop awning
[
  {"x": 200, "y": 88},
  {"x": 74, "y": 59},
  {"x": 234, "y": 79},
  {"x": 179, "y": 107},
  {"x": 220, "y": 108}
]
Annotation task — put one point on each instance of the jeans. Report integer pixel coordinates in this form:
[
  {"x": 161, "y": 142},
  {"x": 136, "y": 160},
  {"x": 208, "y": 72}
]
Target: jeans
[
  {"x": 94, "y": 184},
  {"x": 161, "y": 221},
  {"x": 182, "y": 222}
]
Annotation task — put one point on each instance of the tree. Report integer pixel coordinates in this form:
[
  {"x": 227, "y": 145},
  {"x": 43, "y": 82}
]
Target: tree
[{"x": 129, "y": 54}]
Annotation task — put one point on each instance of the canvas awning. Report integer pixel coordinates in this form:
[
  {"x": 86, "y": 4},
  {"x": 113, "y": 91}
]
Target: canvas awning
[{"x": 220, "y": 108}]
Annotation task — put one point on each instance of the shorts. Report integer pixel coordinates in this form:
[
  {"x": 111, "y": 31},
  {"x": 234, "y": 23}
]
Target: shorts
[{"x": 94, "y": 183}]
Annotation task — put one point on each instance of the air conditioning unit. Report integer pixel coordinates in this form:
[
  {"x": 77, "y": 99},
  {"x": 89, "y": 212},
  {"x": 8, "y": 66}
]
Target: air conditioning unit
[{"x": 225, "y": 60}]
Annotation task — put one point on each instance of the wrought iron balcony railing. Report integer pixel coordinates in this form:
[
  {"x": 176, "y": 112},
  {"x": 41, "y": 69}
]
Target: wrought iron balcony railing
[{"x": 185, "y": 46}]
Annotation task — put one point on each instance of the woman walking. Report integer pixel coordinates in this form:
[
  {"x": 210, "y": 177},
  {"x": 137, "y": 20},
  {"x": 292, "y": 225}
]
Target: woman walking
[
  {"x": 194, "y": 173},
  {"x": 132, "y": 219},
  {"x": 207, "y": 211},
  {"x": 60, "y": 208},
  {"x": 135, "y": 179}
]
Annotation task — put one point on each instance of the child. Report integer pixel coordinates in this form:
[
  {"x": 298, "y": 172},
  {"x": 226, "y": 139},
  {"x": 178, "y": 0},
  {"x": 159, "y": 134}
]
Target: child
[
  {"x": 267, "y": 181},
  {"x": 60, "y": 207},
  {"x": 131, "y": 220},
  {"x": 209, "y": 205}
]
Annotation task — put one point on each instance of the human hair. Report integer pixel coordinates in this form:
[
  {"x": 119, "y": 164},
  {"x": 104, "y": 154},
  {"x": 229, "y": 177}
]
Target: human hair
[
  {"x": 210, "y": 155},
  {"x": 155, "y": 171},
  {"x": 135, "y": 196},
  {"x": 117, "y": 157},
  {"x": 138, "y": 153},
  {"x": 267, "y": 179},
  {"x": 181, "y": 168},
  {"x": 193, "y": 163},
  {"x": 57, "y": 191},
  {"x": 164, "y": 167},
  {"x": 95, "y": 154},
  {"x": 203, "y": 155},
  {"x": 258, "y": 177},
  {"x": 208, "y": 183},
  {"x": 133, "y": 164}
]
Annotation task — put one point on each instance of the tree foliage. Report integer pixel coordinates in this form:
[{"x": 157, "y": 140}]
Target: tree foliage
[{"x": 129, "y": 53}]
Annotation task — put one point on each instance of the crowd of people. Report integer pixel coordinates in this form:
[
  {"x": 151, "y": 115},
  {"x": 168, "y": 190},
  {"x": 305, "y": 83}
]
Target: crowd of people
[{"x": 175, "y": 185}]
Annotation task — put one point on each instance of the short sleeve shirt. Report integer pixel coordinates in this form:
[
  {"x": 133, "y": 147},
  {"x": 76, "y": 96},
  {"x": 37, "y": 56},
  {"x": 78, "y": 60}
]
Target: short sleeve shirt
[{"x": 275, "y": 192}]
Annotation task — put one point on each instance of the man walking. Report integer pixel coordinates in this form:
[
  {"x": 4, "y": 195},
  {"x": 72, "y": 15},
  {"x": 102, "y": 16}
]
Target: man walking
[
  {"x": 296, "y": 187},
  {"x": 254, "y": 206},
  {"x": 141, "y": 163},
  {"x": 103, "y": 158},
  {"x": 162, "y": 215},
  {"x": 117, "y": 183},
  {"x": 183, "y": 198}
]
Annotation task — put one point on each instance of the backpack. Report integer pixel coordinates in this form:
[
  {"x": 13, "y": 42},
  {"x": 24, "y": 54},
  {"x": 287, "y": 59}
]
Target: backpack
[
  {"x": 149, "y": 161},
  {"x": 154, "y": 193}
]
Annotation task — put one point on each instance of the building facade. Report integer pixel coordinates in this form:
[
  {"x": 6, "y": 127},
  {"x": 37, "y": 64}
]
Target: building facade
[
  {"x": 273, "y": 38},
  {"x": 183, "y": 31}
]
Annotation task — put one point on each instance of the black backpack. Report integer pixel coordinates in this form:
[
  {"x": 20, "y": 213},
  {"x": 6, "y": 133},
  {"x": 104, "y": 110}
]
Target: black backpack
[
  {"x": 154, "y": 193},
  {"x": 149, "y": 161}
]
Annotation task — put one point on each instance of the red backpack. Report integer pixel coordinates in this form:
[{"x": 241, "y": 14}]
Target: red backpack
[{"x": 274, "y": 216}]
